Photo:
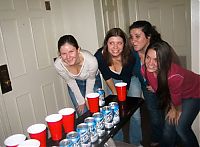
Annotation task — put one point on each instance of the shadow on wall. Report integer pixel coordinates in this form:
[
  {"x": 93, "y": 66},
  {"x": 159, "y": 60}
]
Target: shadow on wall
[{"x": 183, "y": 61}]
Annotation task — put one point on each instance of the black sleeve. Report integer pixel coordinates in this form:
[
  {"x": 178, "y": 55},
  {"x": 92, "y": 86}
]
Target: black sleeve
[
  {"x": 128, "y": 70},
  {"x": 103, "y": 67}
]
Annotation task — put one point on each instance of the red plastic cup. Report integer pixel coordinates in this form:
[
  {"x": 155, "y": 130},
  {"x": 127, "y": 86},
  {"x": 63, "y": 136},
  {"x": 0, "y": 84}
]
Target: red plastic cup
[
  {"x": 93, "y": 102},
  {"x": 68, "y": 119},
  {"x": 30, "y": 143},
  {"x": 14, "y": 140},
  {"x": 38, "y": 132},
  {"x": 121, "y": 91},
  {"x": 54, "y": 122}
]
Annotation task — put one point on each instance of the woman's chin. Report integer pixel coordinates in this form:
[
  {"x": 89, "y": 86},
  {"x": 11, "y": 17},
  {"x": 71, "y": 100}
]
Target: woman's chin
[{"x": 151, "y": 70}]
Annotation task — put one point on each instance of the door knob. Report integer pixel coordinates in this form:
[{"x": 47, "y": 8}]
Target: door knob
[{"x": 5, "y": 79}]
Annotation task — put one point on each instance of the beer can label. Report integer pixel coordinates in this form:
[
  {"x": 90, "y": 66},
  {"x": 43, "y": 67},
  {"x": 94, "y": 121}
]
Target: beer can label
[
  {"x": 100, "y": 123},
  {"x": 75, "y": 138},
  {"x": 84, "y": 133},
  {"x": 108, "y": 116},
  {"x": 90, "y": 121},
  {"x": 101, "y": 96},
  {"x": 115, "y": 107},
  {"x": 66, "y": 143}
]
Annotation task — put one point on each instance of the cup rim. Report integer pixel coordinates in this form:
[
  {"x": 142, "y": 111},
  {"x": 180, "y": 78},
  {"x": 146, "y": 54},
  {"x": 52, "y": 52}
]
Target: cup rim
[
  {"x": 120, "y": 84},
  {"x": 12, "y": 140},
  {"x": 66, "y": 111},
  {"x": 92, "y": 95},
  {"x": 34, "y": 143},
  {"x": 33, "y": 129},
  {"x": 53, "y": 117}
]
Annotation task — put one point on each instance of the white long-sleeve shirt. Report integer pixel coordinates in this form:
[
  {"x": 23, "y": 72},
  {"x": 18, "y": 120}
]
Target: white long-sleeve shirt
[{"x": 88, "y": 72}]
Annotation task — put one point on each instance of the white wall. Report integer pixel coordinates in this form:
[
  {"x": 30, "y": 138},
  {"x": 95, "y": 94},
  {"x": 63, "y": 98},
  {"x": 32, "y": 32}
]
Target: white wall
[
  {"x": 99, "y": 21},
  {"x": 79, "y": 20},
  {"x": 195, "y": 33},
  {"x": 75, "y": 17},
  {"x": 195, "y": 45},
  {"x": 195, "y": 51}
]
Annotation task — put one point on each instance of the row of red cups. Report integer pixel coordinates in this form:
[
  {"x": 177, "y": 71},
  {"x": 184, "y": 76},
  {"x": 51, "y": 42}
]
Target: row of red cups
[
  {"x": 65, "y": 117},
  {"x": 38, "y": 132}
]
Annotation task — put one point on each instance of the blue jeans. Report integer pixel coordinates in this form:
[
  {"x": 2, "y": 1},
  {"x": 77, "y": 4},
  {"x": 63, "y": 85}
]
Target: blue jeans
[
  {"x": 157, "y": 117},
  {"x": 190, "y": 109},
  {"x": 135, "y": 133},
  {"x": 135, "y": 130},
  {"x": 82, "y": 87}
]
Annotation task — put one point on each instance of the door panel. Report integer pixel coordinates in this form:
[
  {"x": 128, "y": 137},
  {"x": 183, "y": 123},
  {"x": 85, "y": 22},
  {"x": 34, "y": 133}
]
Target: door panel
[
  {"x": 13, "y": 49},
  {"x": 28, "y": 46},
  {"x": 40, "y": 43},
  {"x": 110, "y": 14},
  {"x": 171, "y": 20}
]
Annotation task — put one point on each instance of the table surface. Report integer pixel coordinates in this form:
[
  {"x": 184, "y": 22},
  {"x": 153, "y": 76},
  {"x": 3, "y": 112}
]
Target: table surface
[{"x": 126, "y": 110}]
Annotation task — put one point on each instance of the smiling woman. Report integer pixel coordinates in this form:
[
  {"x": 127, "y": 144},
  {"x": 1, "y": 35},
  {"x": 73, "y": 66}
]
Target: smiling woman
[
  {"x": 116, "y": 63},
  {"x": 71, "y": 57},
  {"x": 178, "y": 91},
  {"x": 73, "y": 65},
  {"x": 151, "y": 61}
]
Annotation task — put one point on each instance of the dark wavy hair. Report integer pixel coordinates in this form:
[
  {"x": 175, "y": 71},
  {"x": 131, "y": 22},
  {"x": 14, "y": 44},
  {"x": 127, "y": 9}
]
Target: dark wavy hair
[
  {"x": 148, "y": 29},
  {"x": 165, "y": 57},
  {"x": 67, "y": 39},
  {"x": 114, "y": 32}
]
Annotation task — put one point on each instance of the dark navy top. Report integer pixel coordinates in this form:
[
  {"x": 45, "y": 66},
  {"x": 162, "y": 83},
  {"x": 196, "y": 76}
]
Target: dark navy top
[
  {"x": 126, "y": 73},
  {"x": 137, "y": 70}
]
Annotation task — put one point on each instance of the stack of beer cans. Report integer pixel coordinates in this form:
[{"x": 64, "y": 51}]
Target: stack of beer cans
[{"x": 93, "y": 127}]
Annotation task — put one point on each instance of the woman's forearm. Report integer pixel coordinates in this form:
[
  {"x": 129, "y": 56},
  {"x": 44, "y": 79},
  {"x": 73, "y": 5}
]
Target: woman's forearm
[{"x": 111, "y": 85}]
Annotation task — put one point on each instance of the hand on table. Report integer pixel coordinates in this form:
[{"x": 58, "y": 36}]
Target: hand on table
[{"x": 80, "y": 108}]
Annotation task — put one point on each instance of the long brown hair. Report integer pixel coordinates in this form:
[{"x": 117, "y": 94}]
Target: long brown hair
[
  {"x": 165, "y": 57},
  {"x": 126, "y": 50}
]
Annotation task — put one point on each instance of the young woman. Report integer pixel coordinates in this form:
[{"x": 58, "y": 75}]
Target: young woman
[
  {"x": 178, "y": 90},
  {"x": 116, "y": 62},
  {"x": 142, "y": 33},
  {"x": 74, "y": 66}
]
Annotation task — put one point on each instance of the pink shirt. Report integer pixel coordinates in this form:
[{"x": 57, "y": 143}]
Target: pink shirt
[{"x": 182, "y": 83}]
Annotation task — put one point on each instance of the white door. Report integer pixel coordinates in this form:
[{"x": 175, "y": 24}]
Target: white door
[
  {"x": 110, "y": 14},
  {"x": 172, "y": 19},
  {"x": 27, "y": 47}
]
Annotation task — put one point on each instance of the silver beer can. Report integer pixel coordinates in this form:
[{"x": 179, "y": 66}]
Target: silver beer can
[
  {"x": 90, "y": 121},
  {"x": 115, "y": 107},
  {"x": 108, "y": 116},
  {"x": 100, "y": 123},
  {"x": 101, "y": 97},
  {"x": 84, "y": 133},
  {"x": 75, "y": 138},
  {"x": 66, "y": 143}
]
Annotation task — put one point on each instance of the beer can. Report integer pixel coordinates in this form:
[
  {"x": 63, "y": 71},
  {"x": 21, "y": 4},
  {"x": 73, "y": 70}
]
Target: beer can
[
  {"x": 75, "y": 138},
  {"x": 90, "y": 121},
  {"x": 100, "y": 123},
  {"x": 108, "y": 116},
  {"x": 84, "y": 133},
  {"x": 65, "y": 143},
  {"x": 101, "y": 96},
  {"x": 115, "y": 107}
]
